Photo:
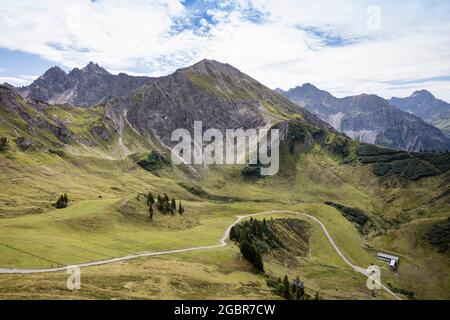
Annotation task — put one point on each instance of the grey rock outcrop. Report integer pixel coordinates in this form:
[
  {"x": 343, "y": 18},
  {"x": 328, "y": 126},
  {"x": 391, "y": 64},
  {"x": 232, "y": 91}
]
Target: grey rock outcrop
[{"x": 10, "y": 103}]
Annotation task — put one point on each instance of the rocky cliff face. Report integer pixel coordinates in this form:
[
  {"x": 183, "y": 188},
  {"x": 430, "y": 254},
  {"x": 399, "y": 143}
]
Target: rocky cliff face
[
  {"x": 217, "y": 94},
  {"x": 14, "y": 107},
  {"x": 427, "y": 107},
  {"x": 88, "y": 86},
  {"x": 370, "y": 119}
]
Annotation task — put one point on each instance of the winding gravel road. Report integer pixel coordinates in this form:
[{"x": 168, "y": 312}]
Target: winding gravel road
[{"x": 222, "y": 243}]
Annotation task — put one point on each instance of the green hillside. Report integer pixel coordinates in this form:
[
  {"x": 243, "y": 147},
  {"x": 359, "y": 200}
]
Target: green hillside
[{"x": 83, "y": 153}]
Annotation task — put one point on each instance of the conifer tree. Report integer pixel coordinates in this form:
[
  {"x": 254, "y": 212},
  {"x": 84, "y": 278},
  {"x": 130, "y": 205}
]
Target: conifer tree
[
  {"x": 150, "y": 213},
  {"x": 258, "y": 262},
  {"x": 286, "y": 288},
  {"x": 150, "y": 199},
  {"x": 3, "y": 143},
  {"x": 298, "y": 289},
  {"x": 250, "y": 253},
  {"x": 166, "y": 206},
  {"x": 160, "y": 202},
  {"x": 62, "y": 202},
  {"x": 180, "y": 208},
  {"x": 233, "y": 234}
]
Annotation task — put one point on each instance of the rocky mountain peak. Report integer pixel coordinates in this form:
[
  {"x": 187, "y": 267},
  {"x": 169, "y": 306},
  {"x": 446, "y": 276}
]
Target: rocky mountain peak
[
  {"x": 425, "y": 105},
  {"x": 372, "y": 99},
  {"x": 209, "y": 63},
  {"x": 92, "y": 67},
  {"x": 88, "y": 86},
  {"x": 422, "y": 94},
  {"x": 278, "y": 90},
  {"x": 8, "y": 86},
  {"x": 210, "y": 68},
  {"x": 309, "y": 86},
  {"x": 54, "y": 72},
  {"x": 308, "y": 95}
]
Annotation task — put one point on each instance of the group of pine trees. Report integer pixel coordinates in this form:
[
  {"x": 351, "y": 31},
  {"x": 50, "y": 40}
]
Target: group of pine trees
[
  {"x": 255, "y": 237},
  {"x": 164, "y": 205},
  {"x": 62, "y": 202},
  {"x": 288, "y": 290},
  {"x": 258, "y": 232},
  {"x": 250, "y": 253},
  {"x": 434, "y": 151}
]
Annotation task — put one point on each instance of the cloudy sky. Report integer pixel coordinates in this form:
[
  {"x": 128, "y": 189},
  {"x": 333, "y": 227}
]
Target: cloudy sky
[{"x": 390, "y": 48}]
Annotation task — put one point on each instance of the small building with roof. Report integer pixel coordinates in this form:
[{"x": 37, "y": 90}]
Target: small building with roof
[{"x": 392, "y": 260}]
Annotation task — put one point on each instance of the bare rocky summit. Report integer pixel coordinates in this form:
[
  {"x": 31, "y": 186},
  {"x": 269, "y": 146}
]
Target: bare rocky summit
[{"x": 88, "y": 86}]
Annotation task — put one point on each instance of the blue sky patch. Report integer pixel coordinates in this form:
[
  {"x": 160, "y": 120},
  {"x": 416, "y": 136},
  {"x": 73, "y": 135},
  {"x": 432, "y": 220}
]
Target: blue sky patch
[
  {"x": 328, "y": 38},
  {"x": 17, "y": 63}
]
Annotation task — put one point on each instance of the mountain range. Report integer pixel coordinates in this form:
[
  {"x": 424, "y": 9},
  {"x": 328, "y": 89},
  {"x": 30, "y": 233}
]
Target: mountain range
[
  {"x": 218, "y": 94},
  {"x": 427, "y": 107},
  {"x": 88, "y": 86},
  {"x": 222, "y": 97},
  {"x": 215, "y": 93},
  {"x": 370, "y": 119},
  {"x": 364, "y": 118}
]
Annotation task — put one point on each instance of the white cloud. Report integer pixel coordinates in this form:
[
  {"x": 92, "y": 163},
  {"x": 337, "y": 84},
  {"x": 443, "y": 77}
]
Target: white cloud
[
  {"x": 115, "y": 33},
  {"x": 411, "y": 46},
  {"x": 18, "y": 81},
  {"x": 288, "y": 46}
]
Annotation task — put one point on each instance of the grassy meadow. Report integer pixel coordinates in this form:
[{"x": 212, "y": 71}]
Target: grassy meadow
[{"x": 105, "y": 219}]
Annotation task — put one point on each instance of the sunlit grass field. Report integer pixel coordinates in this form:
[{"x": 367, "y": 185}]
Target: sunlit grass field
[{"x": 105, "y": 220}]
